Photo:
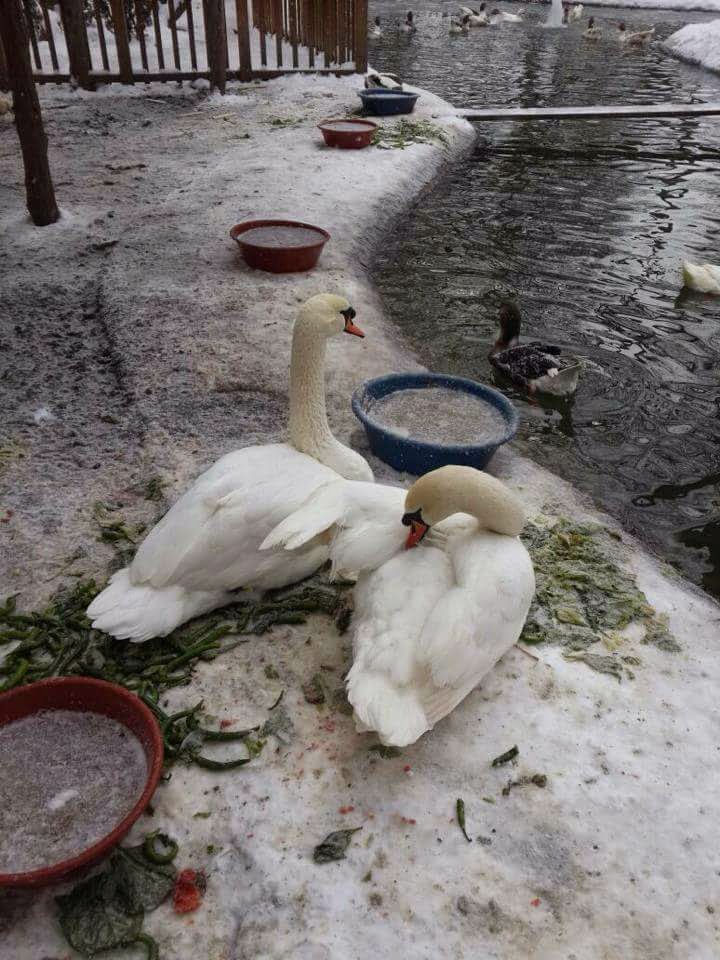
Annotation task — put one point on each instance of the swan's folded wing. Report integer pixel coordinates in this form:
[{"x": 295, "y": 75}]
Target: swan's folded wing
[{"x": 221, "y": 520}]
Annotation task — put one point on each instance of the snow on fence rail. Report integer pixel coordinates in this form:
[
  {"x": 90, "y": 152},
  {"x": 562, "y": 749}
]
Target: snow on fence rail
[{"x": 142, "y": 40}]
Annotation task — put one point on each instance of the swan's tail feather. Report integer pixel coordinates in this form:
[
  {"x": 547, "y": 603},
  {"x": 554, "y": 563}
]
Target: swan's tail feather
[
  {"x": 563, "y": 384},
  {"x": 392, "y": 712},
  {"x": 139, "y": 612}
]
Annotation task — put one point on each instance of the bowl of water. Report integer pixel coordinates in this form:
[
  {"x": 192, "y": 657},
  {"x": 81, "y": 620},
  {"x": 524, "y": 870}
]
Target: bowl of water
[
  {"x": 280, "y": 246},
  {"x": 349, "y": 133},
  {"x": 80, "y": 761},
  {"x": 388, "y": 103},
  {"x": 416, "y": 422}
]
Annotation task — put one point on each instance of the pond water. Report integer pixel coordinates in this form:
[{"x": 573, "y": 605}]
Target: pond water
[{"x": 586, "y": 224}]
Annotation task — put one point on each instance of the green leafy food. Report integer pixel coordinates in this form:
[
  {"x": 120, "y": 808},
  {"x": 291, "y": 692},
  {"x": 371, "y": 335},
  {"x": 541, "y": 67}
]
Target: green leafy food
[
  {"x": 397, "y": 136},
  {"x": 600, "y": 663},
  {"x": 159, "y": 848},
  {"x": 93, "y": 917},
  {"x": 505, "y": 757},
  {"x": 154, "y": 489},
  {"x": 460, "y": 812},
  {"x": 385, "y": 752},
  {"x": 334, "y": 845},
  {"x": 536, "y": 780},
  {"x": 142, "y": 884},
  {"x": 314, "y": 690},
  {"x": 583, "y": 593}
]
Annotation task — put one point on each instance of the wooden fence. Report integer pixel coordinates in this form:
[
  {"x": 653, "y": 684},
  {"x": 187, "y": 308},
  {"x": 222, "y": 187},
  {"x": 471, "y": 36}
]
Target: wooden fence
[{"x": 135, "y": 41}]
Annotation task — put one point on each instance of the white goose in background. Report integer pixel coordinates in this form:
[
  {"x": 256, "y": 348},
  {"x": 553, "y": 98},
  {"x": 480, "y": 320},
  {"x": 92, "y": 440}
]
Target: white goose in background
[
  {"x": 388, "y": 81},
  {"x": 207, "y": 545},
  {"x": 513, "y": 17},
  {"x": 428, "y": 623},
  {"x": 703, "y": 277},
  {"x": 575, "y": 12}
]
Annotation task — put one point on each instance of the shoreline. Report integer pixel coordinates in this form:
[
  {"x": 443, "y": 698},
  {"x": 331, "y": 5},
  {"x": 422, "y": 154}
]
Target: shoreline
[{"x": 613, "y": 855}]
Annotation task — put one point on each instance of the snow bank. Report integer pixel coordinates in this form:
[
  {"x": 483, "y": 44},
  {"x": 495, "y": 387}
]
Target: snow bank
[
  {"x": 710, "y": 5},
  {"x": 697, "y": 43}
]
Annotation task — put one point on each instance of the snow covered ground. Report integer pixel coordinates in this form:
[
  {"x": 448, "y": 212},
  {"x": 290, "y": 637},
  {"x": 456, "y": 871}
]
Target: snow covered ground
[
  {"x": 710, "y": 5},
  {"x": 155, "y": 349},
  {"x": 697, "y": 43}
]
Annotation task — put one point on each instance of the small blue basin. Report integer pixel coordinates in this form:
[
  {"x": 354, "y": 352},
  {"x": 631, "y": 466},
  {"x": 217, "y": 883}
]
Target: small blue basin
[
  {"x": 388, "y": 103},
  {"x": 415, "y": 456}
]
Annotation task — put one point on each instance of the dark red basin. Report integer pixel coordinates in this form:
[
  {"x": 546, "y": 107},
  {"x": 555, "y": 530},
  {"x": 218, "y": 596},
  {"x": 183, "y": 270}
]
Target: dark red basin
[
  {"x": 91, "y": 696},
  {"x": 338, "y": 133},
  {"x": 295, "y": 255}
]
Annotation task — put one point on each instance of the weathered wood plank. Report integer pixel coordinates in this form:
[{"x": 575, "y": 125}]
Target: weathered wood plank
[
  {"x": 122, "y": 41},
  {"x": 73, "y": 21}
]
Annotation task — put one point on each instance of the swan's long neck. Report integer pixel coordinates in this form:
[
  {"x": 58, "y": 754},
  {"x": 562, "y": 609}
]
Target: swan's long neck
[{"x": 309, "y": 429}]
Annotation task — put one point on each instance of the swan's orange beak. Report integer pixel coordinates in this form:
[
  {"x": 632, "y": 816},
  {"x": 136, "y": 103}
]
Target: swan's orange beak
[
  {"x": 418, "y": 529},
  {"x": 351, "y": 328}
]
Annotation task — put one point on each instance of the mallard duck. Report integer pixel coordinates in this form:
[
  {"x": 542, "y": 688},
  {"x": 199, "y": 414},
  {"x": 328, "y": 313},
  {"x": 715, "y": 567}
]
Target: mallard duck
[
  {"x": 475, "y": 18},
  {"x": 536, "y": 366},
  {"x": 462, "y": 27},
  {"x": 592, "y": 32},
  {"x": 208, "y": 544},
  {"x": 409, "y": 25},
  {"x": 388, "y": 81},
  {"x": 638, "y": 39},
  {"x": 430, "y": 622},
  {"x": 376, "y": 28},
  {"x": 702, "y": 277}
]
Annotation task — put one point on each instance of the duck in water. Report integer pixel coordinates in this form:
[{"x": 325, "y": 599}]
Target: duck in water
[
  {"x": 538, "y": 367},
  {"x": 376, "y": 29},
  {"x": 637, "y": 39},
  {"x": 592, "y": 32},
  {"x": 409, "y": 25}
]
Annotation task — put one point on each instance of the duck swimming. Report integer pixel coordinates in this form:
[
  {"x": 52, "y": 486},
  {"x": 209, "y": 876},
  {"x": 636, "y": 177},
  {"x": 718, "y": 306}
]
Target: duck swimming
[
  {"x": 388, "y": 81},
  {"x": 409, "y": 25},
  {"x": 703, "y": 277},
  {"x": 376, "y": 29},
  {"x": 462, "y": 27},
  {"x": 536, "y": 366},
  {"x": 638, "y": 39},
  {"x": 592, "y": 32}
]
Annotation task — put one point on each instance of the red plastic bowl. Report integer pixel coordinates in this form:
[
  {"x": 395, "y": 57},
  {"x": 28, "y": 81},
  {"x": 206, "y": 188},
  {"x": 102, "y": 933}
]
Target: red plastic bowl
[
  {"x": 355, "y": 139},
  {"x": 90, "y": 696},
  {"x": 280, "y": 259}
]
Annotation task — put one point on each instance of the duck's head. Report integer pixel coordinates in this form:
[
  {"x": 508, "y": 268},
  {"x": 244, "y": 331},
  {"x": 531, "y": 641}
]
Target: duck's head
[
  {"x": 591, "y": 22},
  {"x": 455, "y": 489},
  {"x": 509, "y": 318},
  {"x": 482, "y": 7},
  {"x": 327, "y": 314},
  {"x": 377, "y": 21},
  {"x": 621, "y": 27},
  {"x": 410, "y": 16},
  {"x": 466, "y": 19}
]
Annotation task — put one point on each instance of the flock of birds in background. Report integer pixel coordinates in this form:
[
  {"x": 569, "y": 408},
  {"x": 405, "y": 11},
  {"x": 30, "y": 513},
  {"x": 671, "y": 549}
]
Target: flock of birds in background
[{"x": 469, "y": 18}]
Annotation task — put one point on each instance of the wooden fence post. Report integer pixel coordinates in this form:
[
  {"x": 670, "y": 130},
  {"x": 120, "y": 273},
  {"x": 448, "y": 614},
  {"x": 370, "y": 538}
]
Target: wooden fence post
[
  {"x": 216, "y": 43},
  {"x": 73, "y": 21},
  {"x": 243, "y": 29},
  {"x": 361, "y": 36},
  {"x": 4, "y": 79},
  {"x": 122, "y": 41},
  {"x": 28, "y": 116}
]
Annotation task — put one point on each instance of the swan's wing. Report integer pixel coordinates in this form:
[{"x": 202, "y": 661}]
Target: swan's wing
[
  {"x": 477, "y": 621},
  {"x": 210, "y": 537},
  {"x": 364, "y": 519}
]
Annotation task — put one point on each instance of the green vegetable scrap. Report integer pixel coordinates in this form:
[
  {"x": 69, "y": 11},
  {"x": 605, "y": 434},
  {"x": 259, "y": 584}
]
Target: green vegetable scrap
[
  {"x": 60, "y": 639},
  {"x": 505, "y": 757},
  {"x": 601, "y": 663},
  {"x": 460, "y": 811},
  {"x": 583, "y": 594},
  {"x": 154, "y": 489},
  {"x": 536, "y": 780},
  {"x": 107, "y": 911},
  {"x": 334, "y": 845},
  {"x": 385, "y": 752},
  {"x": 397, "y": 136}
]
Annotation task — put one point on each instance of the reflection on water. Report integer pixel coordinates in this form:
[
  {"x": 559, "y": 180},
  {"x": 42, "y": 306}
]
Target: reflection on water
[{"x": 586, "y": 223}]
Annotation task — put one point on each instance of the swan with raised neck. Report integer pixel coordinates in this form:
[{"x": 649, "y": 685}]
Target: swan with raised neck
[
  {"x": 320, "y": 318},
  {"x": 455, "y": 489}
]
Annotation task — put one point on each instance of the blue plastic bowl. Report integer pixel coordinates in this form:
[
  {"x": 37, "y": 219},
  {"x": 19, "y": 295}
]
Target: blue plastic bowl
[
  {"x": 388, "y": 103},
  {"x": 415, "y": 456}
]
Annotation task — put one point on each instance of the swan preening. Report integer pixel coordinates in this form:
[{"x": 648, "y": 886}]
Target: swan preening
[
  {"x": 207, "y": 545},
  {"x": 429, "y": 622}
]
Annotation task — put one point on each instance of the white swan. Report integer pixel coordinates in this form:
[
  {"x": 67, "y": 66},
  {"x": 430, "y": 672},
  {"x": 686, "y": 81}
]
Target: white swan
[
  {"x": 575, "y": 12},
  {"x": 207, "y": 545},
  {"x": 703, "y": 277},
  {"x": 513, "y": 17},
  {"x": 429, "y": 623}
]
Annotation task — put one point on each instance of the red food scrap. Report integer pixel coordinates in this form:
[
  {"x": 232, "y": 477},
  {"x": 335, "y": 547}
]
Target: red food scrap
[
  {"x": 407, "y": 768},
  {"x": 224, "y": 724},
  {"x": 535, "y": 902},
  {"x": 345, "y": 810},
  {"x": 189, "y": 889},
  {"x": 411, "y": 820},
  {"x": 328, "y": 725}
]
